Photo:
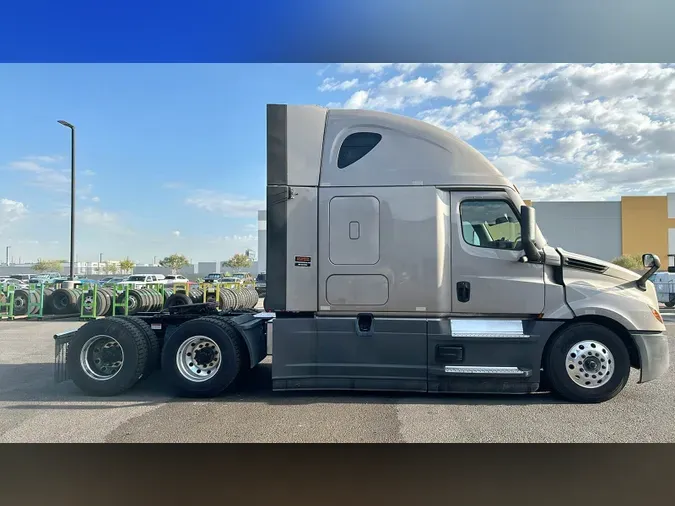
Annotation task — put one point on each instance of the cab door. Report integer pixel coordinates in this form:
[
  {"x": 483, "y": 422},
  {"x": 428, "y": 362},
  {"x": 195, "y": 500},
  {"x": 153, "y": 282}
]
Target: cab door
[{"x": 488, "y": 278}]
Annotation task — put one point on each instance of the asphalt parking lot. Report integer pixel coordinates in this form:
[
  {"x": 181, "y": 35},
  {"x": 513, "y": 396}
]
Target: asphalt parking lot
[{"x": 34, "y": 409}]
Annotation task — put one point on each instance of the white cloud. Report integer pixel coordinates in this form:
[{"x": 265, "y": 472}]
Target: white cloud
[
  {"x": 176, "y": 233},
  {"x": 598, "y": 130},
  {"x": 225, "y": 204},
  {"x": 88, "y": 172},
  {"x": 93, "y": 216},
  {"x": 331, "y": 84},
  {"x": 11, "y": 211},
  {"x": 44, "y": 158},
  {"x": 39, "y": 175},
  {"x": 358, "y": 100},
  {"x": 514, "y": 167},
  {"x": 96, "y": 199},
  {"x": 364, "y": 68}
]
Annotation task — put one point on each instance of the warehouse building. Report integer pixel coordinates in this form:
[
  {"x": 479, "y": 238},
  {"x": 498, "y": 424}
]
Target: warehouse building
[{"x": 604, "y": 230}]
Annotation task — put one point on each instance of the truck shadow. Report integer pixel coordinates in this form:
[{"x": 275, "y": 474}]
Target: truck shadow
[{"x": 31, "y": 386}]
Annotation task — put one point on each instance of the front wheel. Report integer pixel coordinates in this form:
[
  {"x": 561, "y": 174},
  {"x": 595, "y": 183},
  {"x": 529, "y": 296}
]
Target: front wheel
[{"x": 587, "y": 363}]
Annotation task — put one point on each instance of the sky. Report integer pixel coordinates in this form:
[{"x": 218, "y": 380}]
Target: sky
[{"x": 171, "y": 157}]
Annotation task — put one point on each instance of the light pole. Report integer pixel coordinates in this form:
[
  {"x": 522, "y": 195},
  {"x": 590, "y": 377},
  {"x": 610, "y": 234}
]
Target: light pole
[
  {"x": 7, "y": 254},
  {"x": 72, "y": 196}
]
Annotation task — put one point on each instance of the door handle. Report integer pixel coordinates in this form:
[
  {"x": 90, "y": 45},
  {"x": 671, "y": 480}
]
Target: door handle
[{"x": 463, "y": 291}]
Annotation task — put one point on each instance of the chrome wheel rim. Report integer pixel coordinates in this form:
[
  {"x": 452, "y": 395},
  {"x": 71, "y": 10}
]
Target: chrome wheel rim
[
  {"x": 89, "y": 302},
  {"x": 198, "y": 359},
  {"x": 101, "y": 357},
  {"x": 589, "y": 364}
]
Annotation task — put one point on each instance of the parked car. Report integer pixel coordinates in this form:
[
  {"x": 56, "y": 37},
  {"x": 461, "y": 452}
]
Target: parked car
[
  {"x": 243, "y": 277},
  {"x": 139, "y": 280},
  {"x": 261, "y": 283},
  {"x": 213, "y": 277},
  {"x": 170, "y": 279}
]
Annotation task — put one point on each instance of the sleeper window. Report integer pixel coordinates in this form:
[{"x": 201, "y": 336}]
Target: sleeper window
[{"x": 356, "y": 146}]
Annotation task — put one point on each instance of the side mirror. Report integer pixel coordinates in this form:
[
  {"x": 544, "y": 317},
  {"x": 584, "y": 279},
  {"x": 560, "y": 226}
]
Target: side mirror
[
  {"x": 650, "y": 260},
  {"x": 528, "y": 234}
]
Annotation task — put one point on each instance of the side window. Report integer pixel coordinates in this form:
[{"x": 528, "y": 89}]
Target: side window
[
  {"x": 470, "y": 234},
  {"x": 490, "y": 224},
  {"x": 356, "y": 146}
]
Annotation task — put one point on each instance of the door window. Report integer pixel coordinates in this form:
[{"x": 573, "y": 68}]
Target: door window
[{"x": 490, "y": 224}]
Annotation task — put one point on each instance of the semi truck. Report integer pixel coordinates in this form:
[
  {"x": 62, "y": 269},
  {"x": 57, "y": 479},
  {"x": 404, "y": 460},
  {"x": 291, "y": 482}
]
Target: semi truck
[{"x": 398, "y": 259}]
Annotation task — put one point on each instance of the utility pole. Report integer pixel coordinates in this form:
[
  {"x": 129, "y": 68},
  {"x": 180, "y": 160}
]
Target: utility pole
[{"x": 72, "y": 196}]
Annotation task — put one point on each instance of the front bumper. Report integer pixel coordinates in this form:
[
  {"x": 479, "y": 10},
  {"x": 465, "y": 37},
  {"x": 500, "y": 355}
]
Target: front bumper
[{"x": 654, "y": 354}]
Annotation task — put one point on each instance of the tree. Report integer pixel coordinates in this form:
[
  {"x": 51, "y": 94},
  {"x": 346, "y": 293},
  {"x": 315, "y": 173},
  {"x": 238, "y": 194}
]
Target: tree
[
  {"x": 127, "y": 265},
  {"x": 238, "y": 261},
  {"x": 632, "y": 262},
  {"x": 111, "y": 268},
  {"x": 174, "y": 262},
  {"x": 47, "y": 266}
]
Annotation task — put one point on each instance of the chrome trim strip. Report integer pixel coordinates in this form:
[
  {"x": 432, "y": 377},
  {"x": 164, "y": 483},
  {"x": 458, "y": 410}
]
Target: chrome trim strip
[
  {"x": 491, "y": 335},
  {"x": 475, "y": 369}
]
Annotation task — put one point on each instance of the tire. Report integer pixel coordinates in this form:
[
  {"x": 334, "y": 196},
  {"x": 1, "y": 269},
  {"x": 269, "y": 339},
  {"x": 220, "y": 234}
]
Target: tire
[
  {"x": 35, "y": 302},
  {"x": 101, "y": 302},
  {"x": 607, "y": 350},
  {"x": 135, "y": 301},
  {"x": 669, "y": 304},
  {"x": 232, "y": 349},
  {"x": 64, "y": 301},
  {"x": 228, "y": 299},
  {"x": 133, "y": 364},
  {"x": 154, "y": 346},
  {"x": 108, "y": 300},
  {"x": 47, "y": 301},
  {"x": 177, "y": 299},
  {"x": 21, "y": 298}
]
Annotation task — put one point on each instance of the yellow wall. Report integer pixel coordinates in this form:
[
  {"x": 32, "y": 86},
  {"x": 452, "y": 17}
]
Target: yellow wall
[{"x": 644, "y": 226}]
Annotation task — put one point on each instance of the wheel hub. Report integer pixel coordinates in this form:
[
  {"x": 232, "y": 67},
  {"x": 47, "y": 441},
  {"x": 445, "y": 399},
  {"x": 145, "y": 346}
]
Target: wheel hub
[
  {"x": 101, "y": 357},
  {"x": 589, "y": 364},
  {"x": 198, "y": 358}
]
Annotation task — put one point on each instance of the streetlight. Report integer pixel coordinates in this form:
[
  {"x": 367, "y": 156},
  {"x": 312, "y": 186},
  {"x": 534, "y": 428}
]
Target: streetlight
[{"x": 72, "y": 197}]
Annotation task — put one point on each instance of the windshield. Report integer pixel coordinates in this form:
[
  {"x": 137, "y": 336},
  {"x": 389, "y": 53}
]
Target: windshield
[
  {"x": 136, "y": 278},
  {"x": 213, "y": 276}
]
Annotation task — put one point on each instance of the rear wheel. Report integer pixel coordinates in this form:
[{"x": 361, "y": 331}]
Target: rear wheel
[
  {"x": 107, "y": 357},
  {"x": 587, "y": 363},
  {"x": 203, "y": 357},
  {"x": 154, "y": 346}
]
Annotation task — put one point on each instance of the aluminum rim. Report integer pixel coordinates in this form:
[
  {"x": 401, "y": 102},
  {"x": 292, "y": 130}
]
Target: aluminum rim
[
  {"x": 19, "y": 302},
  {"x": 101, "y": 357},
  {"x": 589, "y": 364},
  {"x": 89, "y": 302},
  {"x": 198, "y": 358}
]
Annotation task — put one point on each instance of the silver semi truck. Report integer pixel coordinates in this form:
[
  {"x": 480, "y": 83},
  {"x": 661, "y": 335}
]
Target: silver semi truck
[{"x": 398, "y": 259}]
